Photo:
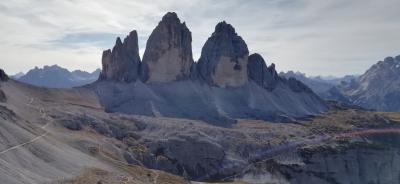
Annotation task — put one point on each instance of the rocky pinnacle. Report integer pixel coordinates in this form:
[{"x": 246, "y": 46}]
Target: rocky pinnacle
[
  {"x": 123, "y": 62},
  {"x": 223, "y": 60},
  {"x": 168, "y": 55},
  {"x": 264, "y": 76}
]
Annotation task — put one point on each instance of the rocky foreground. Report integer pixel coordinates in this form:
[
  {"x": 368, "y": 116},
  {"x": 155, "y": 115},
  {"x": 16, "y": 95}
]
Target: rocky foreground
[{"x": 64, "y": 136}]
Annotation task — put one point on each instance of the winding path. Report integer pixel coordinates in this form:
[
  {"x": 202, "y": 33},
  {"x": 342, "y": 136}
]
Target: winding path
[{"x": 41, "y": 110}]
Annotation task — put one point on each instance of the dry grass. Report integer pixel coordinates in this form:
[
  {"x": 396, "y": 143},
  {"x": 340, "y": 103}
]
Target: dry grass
[{"x": 348, "y": 119}]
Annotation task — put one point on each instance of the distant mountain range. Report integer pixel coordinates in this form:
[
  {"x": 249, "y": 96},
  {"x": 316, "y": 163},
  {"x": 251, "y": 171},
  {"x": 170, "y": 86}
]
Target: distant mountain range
[
  {"x": 325, "y": 87},
  {"x": 57, "y": 77},
  {"x": 318, "y": 84},
  {"x": 378, "y": 88}
]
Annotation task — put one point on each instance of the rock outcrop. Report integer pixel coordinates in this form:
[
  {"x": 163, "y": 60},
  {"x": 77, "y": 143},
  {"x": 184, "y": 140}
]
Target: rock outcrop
[
  {"x": 123, "y": 62},
  {"x": 223, "y": 60},
  {"x": 3, "y": 75},
  {"x": 168, "y": 55},
  {"x": 266, "y": 77}
]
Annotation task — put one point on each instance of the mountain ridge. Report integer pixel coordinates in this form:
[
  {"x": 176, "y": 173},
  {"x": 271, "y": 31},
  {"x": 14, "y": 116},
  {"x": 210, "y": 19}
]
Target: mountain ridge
[
  {"x": 219, "y": 88},
  {"x": 55, "y": 76},
  {"x": 378, "y": 88}
]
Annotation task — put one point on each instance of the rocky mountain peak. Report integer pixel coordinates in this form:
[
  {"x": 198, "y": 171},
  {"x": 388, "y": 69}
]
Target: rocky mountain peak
[
  {"x": 118, "y": 42},
  {"x": 168, "y": 55},
  {"x": 122, "y": 63},
  {"x": 264, "y": 76},
  {"x": 223, "y": 60},
  {"x": 3, "y": 75},
  {"x": 170, "y": 17},
  {"x": 224, "y": 28},
  {"x": 378, "y": 87},
  {"x": 389, "y": 59}
]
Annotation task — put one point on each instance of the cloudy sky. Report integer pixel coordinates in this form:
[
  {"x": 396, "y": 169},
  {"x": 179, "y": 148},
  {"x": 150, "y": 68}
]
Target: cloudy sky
[{"x": 329, "y": 37}]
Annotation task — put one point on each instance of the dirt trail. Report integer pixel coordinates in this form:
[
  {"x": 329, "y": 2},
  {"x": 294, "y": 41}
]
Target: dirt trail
[{"x": 44, "y": 115}]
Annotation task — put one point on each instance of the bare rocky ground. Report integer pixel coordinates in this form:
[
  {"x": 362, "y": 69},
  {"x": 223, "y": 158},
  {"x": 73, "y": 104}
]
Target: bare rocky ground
[{"x": 64, "y": 136}]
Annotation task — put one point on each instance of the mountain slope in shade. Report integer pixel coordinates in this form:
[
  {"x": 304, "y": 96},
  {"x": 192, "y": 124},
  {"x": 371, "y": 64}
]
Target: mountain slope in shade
[
  {"x": 58, "y": 77},
  {"x": 378, "y": 88}
]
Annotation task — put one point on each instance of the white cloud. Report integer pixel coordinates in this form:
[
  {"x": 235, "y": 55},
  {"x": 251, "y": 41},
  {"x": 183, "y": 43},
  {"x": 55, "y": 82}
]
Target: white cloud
[{"x": 331, "y": 37}]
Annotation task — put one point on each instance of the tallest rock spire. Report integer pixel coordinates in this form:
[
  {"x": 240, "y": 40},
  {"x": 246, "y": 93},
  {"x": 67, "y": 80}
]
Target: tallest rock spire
[{"x": 168, "y": 55}]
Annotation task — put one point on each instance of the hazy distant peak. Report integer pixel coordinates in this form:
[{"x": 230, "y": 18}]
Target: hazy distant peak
[{"x": 55, "y": 76}]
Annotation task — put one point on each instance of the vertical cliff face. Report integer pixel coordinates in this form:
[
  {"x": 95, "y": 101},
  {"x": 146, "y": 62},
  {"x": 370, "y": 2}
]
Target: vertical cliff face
[
  {"x": 264, "y": 76},
  {"x": 223, "y": 60},
  {"x": 168, "y": 55},
  {"x": 123, "y": 62}
]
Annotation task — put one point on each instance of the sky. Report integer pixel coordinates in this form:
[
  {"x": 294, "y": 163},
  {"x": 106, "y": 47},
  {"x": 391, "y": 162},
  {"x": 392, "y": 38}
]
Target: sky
[{"x": 329, "y": 37}]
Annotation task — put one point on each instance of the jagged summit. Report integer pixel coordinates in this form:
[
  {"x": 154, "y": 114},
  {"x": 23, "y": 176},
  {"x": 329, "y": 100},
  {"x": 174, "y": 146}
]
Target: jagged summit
[
  {"x": 168, "y": 55},
  {"x": 224, "y": 28},
  {"x": 170, "y": 17},
  {"x": 122, "y": 63}
]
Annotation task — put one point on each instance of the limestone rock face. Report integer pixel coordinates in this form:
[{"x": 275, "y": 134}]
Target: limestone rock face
[
  {"x": 3, "y": 75},
  {"x": 123, "y": 62},
  {"x": 264, "y": 76},
  {"x": 168, "y": 55},
  {"x": 223, "y": 60}
]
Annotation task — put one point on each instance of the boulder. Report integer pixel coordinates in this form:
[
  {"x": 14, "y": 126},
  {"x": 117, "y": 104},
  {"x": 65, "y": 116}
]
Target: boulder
[
  {"x": 123, "y": 62},
  {"x": 168, "y": 55},
  {"x": 223, "y": 60}
]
